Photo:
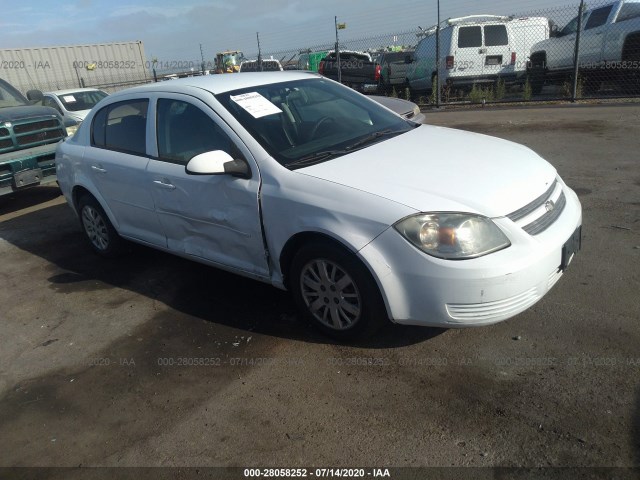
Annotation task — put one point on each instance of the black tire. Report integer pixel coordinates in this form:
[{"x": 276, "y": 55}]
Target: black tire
[
  {"x": 592, "y": 82},
  {"x": 536, "y": 73},
  {"x": 102, "y": 237},
  {"x": 630, "y": 76},
  {"x": 383, "y": 88},
  {"x": 348, "y": 304}
]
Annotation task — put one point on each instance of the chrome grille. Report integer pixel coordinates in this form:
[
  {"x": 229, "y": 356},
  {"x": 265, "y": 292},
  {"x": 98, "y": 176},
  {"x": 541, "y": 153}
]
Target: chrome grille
[
  {"x": 538, "y": 215},
  {"x": 529, "y": 208},
  {"x": 35, "y": 126},
  {"x": 542, "y": 223},
  {"x": 31, "y": 133}
]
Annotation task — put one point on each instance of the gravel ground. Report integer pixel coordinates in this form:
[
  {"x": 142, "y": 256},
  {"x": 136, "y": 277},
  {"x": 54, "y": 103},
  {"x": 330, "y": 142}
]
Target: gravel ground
[{"x": 151, "y": 360}]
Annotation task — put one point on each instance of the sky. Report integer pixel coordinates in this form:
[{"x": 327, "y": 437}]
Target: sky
[{"x": 174, "y": 30}]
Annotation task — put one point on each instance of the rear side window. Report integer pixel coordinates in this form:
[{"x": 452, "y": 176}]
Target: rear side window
[
  {"x": 629, "y": 11},
  {"x": 469, "y": 37},
  {"x": 495, "y": 35},
  {"x": 122, "y": 127},
  {"x": 395, "y": 57},
  {"x": 598, "y": 17}
]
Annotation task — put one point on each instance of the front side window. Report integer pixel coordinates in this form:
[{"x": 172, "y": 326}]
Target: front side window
[
  {"x": 572, "y": 26},
  {"x": 10, "y": 97},
  {"x": 628, "y": 11},
  {"x": 122, "y": 127},
  {"x": 184, "y": 131},
  {"x": 598, "y": 17},
  {"x": 469, "y": 37},
  {"x": 495, "y": 35},
  {"x": 311, "y": 120}
]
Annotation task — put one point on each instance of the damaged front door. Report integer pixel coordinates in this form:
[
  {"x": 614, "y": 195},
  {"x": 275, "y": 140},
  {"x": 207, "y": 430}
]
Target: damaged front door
[{"x": 213, "y": 217}]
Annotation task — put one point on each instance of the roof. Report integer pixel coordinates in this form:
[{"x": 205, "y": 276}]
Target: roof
[
  {"x": 69, "y": 91},
  {"x": 224, "y": 82}
]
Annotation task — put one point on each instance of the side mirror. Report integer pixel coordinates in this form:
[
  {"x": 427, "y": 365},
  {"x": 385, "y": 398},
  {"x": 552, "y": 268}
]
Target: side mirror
[
  {"x": 34, "y": 96},
  {"x": 555, "y": 31},
  {"x": 218, "y": 162}
]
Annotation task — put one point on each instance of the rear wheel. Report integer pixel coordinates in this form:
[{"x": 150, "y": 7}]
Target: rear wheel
[
  {"x": 102, "y": 237},
  {"x": 536, "y": 73},
  {"x": 630, "y": 74},
  {"x": 335, "y": 292}
]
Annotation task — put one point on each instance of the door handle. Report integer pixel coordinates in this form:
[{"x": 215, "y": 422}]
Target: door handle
[
  {"x": 165, "y": 184},
  {"x": 98, "y": 169},
  {"x": 482, "y": 50}
]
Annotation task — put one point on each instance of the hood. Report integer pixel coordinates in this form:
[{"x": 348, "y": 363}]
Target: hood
[
  {"x": 14, "y": 114},
  {"x": 441, "y": 169}
]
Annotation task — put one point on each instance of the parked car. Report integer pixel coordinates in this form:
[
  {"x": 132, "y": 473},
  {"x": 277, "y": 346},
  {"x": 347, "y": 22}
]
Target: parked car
[
  {"x": 28, "y": 137},
  {"x": 73, "y": 104},
  {"x": 609, "y": 49},
  {"x": 268, "y": 65},
  {"x": 404, "y": 108},
  {"x": 358, "y": 70},
  {"x": 477, "y": 49},
  {"x": 393, "y": 70},
  {"x": 297, "y": 181}
]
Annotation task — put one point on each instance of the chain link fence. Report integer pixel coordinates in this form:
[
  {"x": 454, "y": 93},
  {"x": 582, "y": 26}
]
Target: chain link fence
[{"x": 587, "y": 50}]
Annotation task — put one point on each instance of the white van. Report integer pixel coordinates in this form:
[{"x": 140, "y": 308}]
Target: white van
[{"x": 477, "y": 49}]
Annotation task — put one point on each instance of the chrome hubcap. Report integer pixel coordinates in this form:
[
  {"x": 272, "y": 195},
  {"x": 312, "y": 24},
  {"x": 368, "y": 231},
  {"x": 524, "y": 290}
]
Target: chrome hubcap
[
  {"x": 330, "y": 294},
  {"x": 95, "y": 227}
]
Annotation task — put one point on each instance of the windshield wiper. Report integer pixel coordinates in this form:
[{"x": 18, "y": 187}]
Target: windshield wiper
[
  {"x": 316, "y": 157},
  {"x": 374, "y": 136}
]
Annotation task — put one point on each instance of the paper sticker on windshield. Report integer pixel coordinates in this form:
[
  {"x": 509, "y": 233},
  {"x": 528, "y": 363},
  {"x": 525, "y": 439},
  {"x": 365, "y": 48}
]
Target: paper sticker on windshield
[
  {"x": 255, "y": 104},
  {"x": 69, "y": 98}
]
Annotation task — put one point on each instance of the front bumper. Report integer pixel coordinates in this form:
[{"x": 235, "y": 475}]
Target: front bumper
[
  {"x": 422, "y": 290},
  {"x": 27, "y": 168}
]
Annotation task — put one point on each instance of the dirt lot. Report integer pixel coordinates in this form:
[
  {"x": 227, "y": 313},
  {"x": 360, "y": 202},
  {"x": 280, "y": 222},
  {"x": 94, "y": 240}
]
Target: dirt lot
[{"x": 152, "y": 360}]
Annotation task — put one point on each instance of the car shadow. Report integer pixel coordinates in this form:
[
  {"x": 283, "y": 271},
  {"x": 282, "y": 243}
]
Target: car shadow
[
  {"x": 30, "y": 197},
  {"x": 197, "y": 290}
]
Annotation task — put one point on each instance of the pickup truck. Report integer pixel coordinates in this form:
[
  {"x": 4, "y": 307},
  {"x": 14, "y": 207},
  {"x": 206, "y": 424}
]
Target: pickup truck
[
  {"x": 29, "y": 135},
  {"x": 609, "y": 49},
  {"x": 393, "y": 70},
  {"x": 358, "y": 70}
]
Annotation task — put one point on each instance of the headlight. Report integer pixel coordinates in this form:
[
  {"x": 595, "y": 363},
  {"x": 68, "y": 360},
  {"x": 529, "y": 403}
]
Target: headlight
[
  {"x": 72, "y": 129},
  {"x": 453, "y": 236}
]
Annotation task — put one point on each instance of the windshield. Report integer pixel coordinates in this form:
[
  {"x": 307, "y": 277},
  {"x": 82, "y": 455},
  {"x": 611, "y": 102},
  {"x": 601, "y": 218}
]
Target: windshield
[
  {"x": 10, "y": 97},
  {"x": 231, "y": 59},
  {"x": 312, "y": 119},
  {"x": 77, "y": 101}
]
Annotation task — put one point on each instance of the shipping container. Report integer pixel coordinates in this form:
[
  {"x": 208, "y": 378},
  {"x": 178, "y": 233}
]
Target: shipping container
[{"x": 108, "y": 66}]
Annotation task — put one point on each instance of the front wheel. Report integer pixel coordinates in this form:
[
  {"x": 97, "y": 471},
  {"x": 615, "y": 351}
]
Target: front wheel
[
  {"x": 103, "y": 238},
  {"x": 335, "y": 292}
]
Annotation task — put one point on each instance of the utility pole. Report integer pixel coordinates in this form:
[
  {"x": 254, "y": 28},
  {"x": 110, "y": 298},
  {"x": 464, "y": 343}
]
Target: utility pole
[
  {"x": 202, "y": 58},
  {"x": 576, "y": 54},
  {"x": 259, "y": 52},
  {"x": 338, "y": 51},
  {"x": 438, "y": 99}
]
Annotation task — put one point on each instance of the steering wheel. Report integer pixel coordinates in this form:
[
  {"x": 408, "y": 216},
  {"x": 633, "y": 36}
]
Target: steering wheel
[{"x": 319, "y": 123}]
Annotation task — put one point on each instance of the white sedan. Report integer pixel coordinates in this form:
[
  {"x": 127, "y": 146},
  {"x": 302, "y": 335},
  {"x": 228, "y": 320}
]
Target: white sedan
[
  {"x": 73, "y": 104},
  {"x": 295, "y": 180}
]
